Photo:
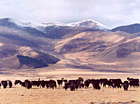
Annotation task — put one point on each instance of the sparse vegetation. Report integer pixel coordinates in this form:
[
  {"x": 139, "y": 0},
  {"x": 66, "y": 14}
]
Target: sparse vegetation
[
  {"x": 47, "y": 58},
  {"x": 123, "y": 52},
  {"x": 30, "y": 62}
]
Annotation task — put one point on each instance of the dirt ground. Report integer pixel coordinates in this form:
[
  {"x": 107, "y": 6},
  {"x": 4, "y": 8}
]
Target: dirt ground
[{"x": 20, "y": 95}]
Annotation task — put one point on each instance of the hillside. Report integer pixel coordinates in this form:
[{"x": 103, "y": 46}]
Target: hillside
[
  {"x": 133, "y": 28},
  {"x": 35, "y": 42},
  {"x": 102, "y": 51},
  {"x": 25, "y": 57},
  {"x": 86, "y": 44}
]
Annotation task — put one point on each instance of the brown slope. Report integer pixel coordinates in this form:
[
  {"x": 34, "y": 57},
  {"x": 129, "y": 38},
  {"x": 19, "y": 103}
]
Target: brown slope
[
  {"x": 112, "y": 51},
  {"x": 15, "y": 42},
  {"x": 126, "y": 54},
  {"x": 23, "y": 38},
  {"x": 89, "y": 41},
  {"x": 24, "y": 57}
]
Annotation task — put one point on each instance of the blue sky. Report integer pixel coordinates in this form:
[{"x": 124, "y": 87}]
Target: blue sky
[{"x": 111, "y": 13}]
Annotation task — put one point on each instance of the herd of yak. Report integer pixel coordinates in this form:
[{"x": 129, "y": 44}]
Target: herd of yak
[{"x": 75, "y": 84}]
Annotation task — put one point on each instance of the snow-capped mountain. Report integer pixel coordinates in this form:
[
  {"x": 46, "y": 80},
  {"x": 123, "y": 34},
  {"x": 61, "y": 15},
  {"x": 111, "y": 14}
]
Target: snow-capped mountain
[
  {"x": 89, "y": 24},
  {"x": 53, "y": 24},
  {"x": 52, "y": 29},
  {"x": 85, "y": 23},
  {"x": 22, "y": 24}
]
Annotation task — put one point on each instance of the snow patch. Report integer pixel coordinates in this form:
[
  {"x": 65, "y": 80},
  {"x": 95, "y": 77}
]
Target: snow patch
[
  {"x": 1, "y": 44},
  {"x": 89, "y": 24},
  {"x": 53, "y": 24}
]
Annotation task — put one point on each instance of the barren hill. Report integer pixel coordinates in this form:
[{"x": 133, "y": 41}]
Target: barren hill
[
  {"x": 133, "y": 28},
  {"x": 102, "y": 51},
  {"x": 85, "y": 45}
]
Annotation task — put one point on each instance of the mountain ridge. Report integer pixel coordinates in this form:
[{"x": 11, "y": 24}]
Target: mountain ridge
[
  {"x": 89, "y": 23},
  {"x": 72, "y": 46},
  {"x": 132, "y": 28}
]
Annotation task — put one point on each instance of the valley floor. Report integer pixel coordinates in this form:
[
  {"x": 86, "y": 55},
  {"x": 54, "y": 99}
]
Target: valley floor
[{"x": 20, "y": 95}]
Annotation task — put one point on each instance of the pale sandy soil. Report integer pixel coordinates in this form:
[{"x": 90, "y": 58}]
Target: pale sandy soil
[{"x": 20, "y": 95}]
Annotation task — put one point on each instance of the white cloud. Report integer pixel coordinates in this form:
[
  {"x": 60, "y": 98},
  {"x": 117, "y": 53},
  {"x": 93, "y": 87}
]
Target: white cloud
[{"x": 109, "y": 12}]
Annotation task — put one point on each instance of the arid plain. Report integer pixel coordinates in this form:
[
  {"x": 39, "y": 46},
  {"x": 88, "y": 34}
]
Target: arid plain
[{"x": 36, "y": 95}]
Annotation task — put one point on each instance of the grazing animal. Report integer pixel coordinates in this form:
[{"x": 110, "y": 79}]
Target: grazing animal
[
  {"x": 104, "y": 82},
  {"x": 133, "y": 82},
  {"x": 35, "y": 83},
  {"x": 52, "y": 84},
  {"x": 10, "y": 83},
  {"x": 81, "y": 79},
  {"x": 47, "y": 83},
  {"x": 18, "y": 82},
  {"x": 59, "y": 82},
  {"x": 79, "y": 83},
  {"x": 73, "y": 85},
  {"x": 95, "y": 84},
  {"x": 87, "y": 82},
  {"x": 4, "y": 84},
  {"x": 116, "y": 83},
  {"x": 66, "y": 86},
  {"x": 63, "y": 82},
  {"x": 23, "y": 84},
  {"x": 125, "y": 85},
  {"x": 28, "y": 84},
  {"x": 42, "y": 83},
  {"x": 109, "y": 83}
]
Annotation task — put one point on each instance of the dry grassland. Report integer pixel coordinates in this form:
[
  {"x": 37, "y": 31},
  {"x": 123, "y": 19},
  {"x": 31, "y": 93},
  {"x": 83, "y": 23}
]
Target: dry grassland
[{"x": 20, "y": 95}]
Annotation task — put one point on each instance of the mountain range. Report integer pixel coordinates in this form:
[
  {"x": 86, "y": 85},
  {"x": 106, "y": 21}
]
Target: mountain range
[{"x": 87, "y": 44}]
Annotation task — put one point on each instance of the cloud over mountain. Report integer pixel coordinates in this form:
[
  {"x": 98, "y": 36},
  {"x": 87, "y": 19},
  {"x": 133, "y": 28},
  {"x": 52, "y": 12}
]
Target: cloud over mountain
[{"x": 111, "y": 13}]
